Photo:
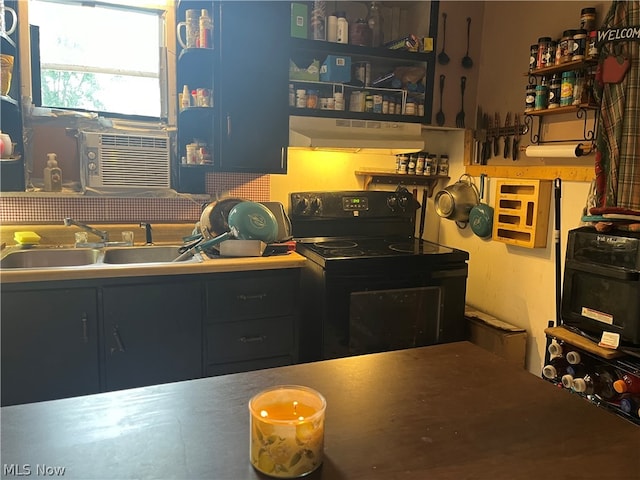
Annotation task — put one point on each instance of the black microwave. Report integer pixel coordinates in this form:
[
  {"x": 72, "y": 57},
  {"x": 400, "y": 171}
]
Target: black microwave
[{"x": 601, "y": 287}]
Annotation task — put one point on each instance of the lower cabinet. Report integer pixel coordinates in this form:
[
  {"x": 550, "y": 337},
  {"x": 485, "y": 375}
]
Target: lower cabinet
[
  {"x": 49, "y": 344},
  {"x": 152, "y": 333},
  {"x": 251, "y": 321},
  {"x": 108, "y": 334}
]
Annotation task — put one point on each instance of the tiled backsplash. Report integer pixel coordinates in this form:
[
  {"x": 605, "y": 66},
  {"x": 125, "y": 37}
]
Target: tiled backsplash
[{"x": 17, "y": 209}]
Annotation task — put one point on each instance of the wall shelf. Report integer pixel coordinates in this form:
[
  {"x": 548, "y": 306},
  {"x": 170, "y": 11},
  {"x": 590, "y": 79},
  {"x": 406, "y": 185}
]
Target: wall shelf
[{"x": 392, "y": 178}]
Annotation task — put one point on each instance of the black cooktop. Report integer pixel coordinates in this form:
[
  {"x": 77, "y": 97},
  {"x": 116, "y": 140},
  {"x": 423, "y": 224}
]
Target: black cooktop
[{"x": 353, "y": 247}]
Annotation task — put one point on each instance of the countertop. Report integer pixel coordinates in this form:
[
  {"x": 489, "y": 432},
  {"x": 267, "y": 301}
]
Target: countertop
[
  {"x": 163, "y": 234},
  {"x": 449, "y": 411},
  {"x": 214, "y": 265}
]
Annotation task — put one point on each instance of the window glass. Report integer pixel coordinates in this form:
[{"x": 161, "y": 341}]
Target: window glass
[{"x": 100, "y": 57}]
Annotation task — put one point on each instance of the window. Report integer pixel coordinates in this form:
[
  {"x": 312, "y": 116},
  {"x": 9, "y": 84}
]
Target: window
[{"x": 102, "y": 57}]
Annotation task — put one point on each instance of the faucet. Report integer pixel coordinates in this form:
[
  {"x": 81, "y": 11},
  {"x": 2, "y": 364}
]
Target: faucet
[
  {"x": 148, "y": 234},
  {"x": 103, "y": 235}
]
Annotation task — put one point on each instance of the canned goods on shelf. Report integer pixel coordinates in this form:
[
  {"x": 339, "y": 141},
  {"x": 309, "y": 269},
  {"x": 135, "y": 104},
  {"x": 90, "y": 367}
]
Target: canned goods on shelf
[
  {"x": 542, "y": 97},
  {"x": 566, "y": 88}
]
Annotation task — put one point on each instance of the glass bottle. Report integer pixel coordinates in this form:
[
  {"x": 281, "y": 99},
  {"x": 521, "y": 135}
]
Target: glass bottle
[
  {"x": 555, "y": 369},
  {"x": 374, "y": 19},
  {"x": 627, "y": 384}
]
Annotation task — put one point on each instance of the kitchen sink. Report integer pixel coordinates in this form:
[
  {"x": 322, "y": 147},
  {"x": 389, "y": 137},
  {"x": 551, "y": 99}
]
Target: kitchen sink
[
  {"x": 54, "y": 257},
  {"x": 94, "y": 257},
  {"x": 146, "y": 254}
]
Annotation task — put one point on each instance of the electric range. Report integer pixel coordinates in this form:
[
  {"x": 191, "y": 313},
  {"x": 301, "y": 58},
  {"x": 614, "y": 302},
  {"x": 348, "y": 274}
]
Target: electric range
[{"x": 369, "y": 284}]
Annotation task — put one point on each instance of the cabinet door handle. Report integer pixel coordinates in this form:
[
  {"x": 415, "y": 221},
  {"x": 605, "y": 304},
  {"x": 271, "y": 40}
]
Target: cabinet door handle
[
  {"x": 257, "y": 296},
  {"x": 283, "y": 157},
  {"x": 228, "y": 126},
  {"x": 256, "y": 338},
  {"x": 85, "y": 328},
  {"x": 116, "y": 336}
]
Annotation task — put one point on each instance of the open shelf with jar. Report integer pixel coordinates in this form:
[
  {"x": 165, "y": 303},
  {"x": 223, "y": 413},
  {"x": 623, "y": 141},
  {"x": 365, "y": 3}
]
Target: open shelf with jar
[
  {"x": 12, "y": 176},
  {"x": 399, "y": 76},
  {"x": 566, "y": 88}
]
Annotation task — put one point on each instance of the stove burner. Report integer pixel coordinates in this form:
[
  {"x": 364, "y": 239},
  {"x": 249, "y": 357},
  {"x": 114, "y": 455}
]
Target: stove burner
[
  {"x": 336, "y": 244},
  {"x": 347, "y": 252},
  {"x": 412, "y": 247}
]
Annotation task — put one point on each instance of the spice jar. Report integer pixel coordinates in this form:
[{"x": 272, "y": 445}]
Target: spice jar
[
  {"x": 312, "y": 98},
  {"x": 544, "y": 50},
  {"x": 592, "y": 45},
  {"x": 566, "y": 46},
  {"x": 533, "y": 57},
  {"x": 554, "y": 91},
  {"x": 579, "y": 45},
  {"x": 360, "y": 33},
  {"x": 301, "y": 98},
  {"x": 588, "y": 19},
  {"x": 530, "y": 98}
]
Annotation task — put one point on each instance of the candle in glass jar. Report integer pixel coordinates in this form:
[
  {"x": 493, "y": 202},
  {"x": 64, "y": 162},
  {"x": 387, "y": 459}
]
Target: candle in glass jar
[{"x": 287, "y": 431}]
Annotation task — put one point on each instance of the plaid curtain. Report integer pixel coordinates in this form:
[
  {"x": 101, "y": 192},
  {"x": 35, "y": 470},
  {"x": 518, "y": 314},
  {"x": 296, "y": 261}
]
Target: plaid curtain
[{"x": 618, "y": 139}]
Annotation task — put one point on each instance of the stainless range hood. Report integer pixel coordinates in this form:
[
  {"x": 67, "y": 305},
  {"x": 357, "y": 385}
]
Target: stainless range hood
[{"x": 355, "y": 135}]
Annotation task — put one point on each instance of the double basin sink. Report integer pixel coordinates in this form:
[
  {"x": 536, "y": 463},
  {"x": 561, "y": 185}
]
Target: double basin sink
[{"x": 80, "y": 257}]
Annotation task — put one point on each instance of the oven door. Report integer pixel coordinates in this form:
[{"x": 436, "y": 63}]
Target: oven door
[
  {"x": 379, "y": 309},
  {"x": 382, "y": 320}
]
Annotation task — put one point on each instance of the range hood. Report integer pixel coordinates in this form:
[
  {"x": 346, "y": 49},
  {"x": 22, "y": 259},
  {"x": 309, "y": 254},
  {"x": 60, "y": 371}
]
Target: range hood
[{"x": 354, "y": 135}]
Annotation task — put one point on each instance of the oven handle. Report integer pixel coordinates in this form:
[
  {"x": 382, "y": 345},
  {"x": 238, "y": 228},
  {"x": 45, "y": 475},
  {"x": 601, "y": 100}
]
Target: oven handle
[{"x": 617, "y": 273}]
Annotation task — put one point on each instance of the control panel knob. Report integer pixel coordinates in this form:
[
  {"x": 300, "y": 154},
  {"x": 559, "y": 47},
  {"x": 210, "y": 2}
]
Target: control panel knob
[
  {"x": 315, "y": 205},
  {"x": 91, "y": 155},
  {"x": 300, "y": 206},
  {"x": 392, "y": 202},
  {"x": 92, "y": 166}
]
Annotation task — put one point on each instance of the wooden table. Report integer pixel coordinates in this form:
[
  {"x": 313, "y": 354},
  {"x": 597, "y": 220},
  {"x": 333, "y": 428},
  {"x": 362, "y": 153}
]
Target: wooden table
[{"x": 449, "y": 411}]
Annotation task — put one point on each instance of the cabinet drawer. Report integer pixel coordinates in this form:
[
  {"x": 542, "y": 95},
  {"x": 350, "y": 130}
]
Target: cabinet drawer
[
  {"x": 236, "y": 367},
  {"x": 255, "y": 295},
  {"x": 238, "y": 341}
]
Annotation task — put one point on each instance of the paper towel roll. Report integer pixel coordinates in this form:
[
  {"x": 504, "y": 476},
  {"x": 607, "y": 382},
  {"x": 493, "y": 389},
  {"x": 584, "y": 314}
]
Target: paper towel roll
[{"x": 557, "y": 151}]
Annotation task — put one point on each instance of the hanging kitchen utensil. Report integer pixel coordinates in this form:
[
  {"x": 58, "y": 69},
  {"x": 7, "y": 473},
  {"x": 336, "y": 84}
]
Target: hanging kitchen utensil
[
  {"x": 247, "y": 221},
  {"x": 507, "y": 138},
  {"x": 423, "y": 212},
  {"x": 440, "y": 114},
  {"x": 481, "y": 216},
  {"x": 460, "y": 116},
  {"x": 516, "y": 139},
  {"x": 443, "y": 58},
  {"x": 456, "y": 200},
  {"x": 466, "y": 60},
  {"x": 496, "y": 136}
]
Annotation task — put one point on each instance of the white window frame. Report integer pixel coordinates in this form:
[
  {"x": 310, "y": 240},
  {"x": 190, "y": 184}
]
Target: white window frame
[{"x": 168, "y": 104}]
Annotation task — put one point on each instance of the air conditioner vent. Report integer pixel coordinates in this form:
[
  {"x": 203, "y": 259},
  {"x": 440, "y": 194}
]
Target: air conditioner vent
[{"x": 125, "y": 160}]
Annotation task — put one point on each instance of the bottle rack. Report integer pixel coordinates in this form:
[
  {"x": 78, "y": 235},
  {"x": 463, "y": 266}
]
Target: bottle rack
[{"x": 597, "y": 356}]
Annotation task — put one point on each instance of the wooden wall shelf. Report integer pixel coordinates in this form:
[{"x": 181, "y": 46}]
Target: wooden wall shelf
[{"x": 392, "y": 178}]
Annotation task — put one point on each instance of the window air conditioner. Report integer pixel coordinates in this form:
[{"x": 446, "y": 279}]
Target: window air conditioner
[{"x": 125, "y": 160}]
